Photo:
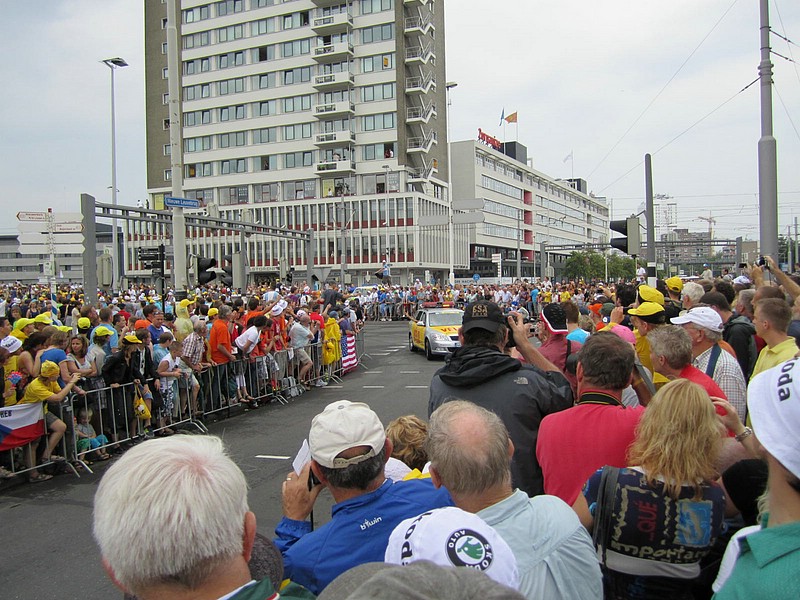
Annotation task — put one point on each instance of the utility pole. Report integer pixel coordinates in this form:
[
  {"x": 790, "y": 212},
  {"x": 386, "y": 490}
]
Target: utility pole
[
  {"x": 519, "y": 248},
  {"x": 179, "y": 270},
  {"x": 767, "y": 150},
  {"x": 650, "y": 213}
]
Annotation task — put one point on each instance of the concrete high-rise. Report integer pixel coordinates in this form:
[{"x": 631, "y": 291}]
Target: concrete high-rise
[{"x": 306, "y": 114}]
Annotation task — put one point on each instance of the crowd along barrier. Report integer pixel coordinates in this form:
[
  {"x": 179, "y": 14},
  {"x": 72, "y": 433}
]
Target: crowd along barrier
[{"x": 103, "y": 419}]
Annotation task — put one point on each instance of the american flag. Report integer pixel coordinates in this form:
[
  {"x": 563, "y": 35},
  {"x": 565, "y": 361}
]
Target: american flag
[{"x": 349, "y": 356}]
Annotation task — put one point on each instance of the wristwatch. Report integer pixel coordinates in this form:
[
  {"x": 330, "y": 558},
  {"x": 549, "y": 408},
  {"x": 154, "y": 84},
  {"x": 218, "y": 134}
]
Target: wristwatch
[{"x": 746, "y": 432}]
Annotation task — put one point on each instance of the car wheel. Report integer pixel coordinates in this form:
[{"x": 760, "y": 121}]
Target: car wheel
[
  {"x": 428, "y": 353},
  {"x": 411, "y": 346}
]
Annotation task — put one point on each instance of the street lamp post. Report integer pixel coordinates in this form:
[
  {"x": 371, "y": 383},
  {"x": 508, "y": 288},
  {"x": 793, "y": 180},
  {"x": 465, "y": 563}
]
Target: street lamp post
[
  {"x": 113, "y": 64},
  {"x": 450, "y": 233},
  {"x": 386, "y": 187}
]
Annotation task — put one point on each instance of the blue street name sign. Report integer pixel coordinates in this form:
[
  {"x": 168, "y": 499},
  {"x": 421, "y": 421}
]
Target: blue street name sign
[{"x": 181, "y": 202}]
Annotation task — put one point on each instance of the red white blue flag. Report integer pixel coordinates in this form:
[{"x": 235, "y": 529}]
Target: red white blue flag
[
  {"x": 349, "y": 355},
  {"x": 21, "y": 425}
]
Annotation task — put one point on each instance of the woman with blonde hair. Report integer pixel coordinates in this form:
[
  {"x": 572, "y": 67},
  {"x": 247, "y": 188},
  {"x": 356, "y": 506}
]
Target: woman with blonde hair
[
  {"x": 407, "y": 435},
  {"x": 655, "y": 520}
]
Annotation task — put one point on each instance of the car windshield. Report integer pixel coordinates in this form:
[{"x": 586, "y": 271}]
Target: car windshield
[{"x": 445, "y": 319}]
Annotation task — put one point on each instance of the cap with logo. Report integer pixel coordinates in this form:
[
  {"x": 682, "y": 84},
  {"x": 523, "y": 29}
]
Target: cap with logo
[
  {"x": 452, "y": 537},
  {"x": 43, "y": 318},
  {"x": 555, "y": 318},
  {"x": 482, "y": 315},
  {"x": 703, "y": 316},
  {"x": 341, "y": 426},
  {"x": 773, "y": 402},
  {"x": 102, "y": 331},
  {"x": 650, "y": 294},
  {"x": 11, "y": 343},
  {"x": 674, "y": 284},
  {"x": 84, "y": 323}
]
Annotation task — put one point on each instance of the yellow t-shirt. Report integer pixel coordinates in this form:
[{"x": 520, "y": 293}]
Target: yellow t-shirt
[
  {"x": 10, "y": 367},
  {"x": 40, "y": 390},
  {"x": 772, "y": 357}
]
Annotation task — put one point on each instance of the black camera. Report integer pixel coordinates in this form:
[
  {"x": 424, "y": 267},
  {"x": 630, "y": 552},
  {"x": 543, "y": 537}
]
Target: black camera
[{"x": 762, "y": 263}]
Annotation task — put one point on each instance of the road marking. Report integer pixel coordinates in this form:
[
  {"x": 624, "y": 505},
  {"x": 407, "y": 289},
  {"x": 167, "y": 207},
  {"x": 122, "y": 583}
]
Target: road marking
[
  {"x": 372, "y": 387},
  {"x": 399, "y": 347},
  {"x": 373, "y": 372},
  {"x": 394, "y": 349},
  {"x": 332, "y": 387},
  {"x": 380, "y": 354},
  {"x": 409, "y": 372},
  {"x": 273, "y": 456},
  {"x": 416, "y": 387}
]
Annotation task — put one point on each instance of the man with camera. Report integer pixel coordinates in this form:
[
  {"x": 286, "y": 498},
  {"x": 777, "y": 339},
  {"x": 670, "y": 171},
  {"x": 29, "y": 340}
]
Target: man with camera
[
  {"x": 520, "y": 394},
  {"x": 349, "y": 450}
]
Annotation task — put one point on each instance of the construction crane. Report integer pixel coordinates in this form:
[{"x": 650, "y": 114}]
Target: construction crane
[{"x": 711, "y": 222}]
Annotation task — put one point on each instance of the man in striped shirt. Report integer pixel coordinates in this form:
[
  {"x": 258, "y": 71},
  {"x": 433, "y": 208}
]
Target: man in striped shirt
[{"x": 704, "y": 326}]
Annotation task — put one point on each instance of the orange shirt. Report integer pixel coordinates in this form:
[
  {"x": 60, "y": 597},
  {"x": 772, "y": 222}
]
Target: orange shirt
[{"x": 219, "y": 335}]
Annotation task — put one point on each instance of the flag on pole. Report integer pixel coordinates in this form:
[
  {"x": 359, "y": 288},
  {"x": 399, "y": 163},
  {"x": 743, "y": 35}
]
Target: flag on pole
[
  {"x": 349, "y": 355},
  {"x": 502, "y": 116},
  {"x": 568, "y": 156},
  {"x": 21, "y": 424},
  {"x": 512, "y": 118}
]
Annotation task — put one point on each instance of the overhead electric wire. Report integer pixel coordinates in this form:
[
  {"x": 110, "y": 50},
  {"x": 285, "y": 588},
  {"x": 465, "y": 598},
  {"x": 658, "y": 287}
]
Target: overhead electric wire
[
  {"x": 661, "y": 91},
  {"x": 789, "y": 43},
  {"x": 679, "y": 135},
  {"x": 786, "y": 110}
]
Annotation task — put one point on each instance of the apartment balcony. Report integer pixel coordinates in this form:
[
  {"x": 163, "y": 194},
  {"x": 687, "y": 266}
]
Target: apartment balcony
[
  {"x": 335, "y": 138},
  {"x": 334, "y": 81},
  {"x": 335, "y": 109},
  {"x": 417, "y": 26},
  {"x": 324, "y": 3},
  {"x": 331, "y": 24},
  {"x": 421, "y": 84},
  {"x": 335, "y": 167},
  {"x": 421, "y": 144},
  {"x": 419, "y": 54},
  {"x": 338, "y": 52},
  {"x": 420, "y": 114}
]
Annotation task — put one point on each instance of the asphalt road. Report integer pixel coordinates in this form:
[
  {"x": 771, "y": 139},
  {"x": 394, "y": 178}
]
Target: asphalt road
[{"x": 49, "y": 552}]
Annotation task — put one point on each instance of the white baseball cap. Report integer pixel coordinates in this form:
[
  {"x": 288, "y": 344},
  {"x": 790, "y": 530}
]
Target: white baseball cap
[
  {"x": 343, "y": 425},
  {"x": 11, "y": 343},
  {"x": 452, "y": 537},
  {"x": 773, "y": 401},
  {"x": 704, "y": 316}
]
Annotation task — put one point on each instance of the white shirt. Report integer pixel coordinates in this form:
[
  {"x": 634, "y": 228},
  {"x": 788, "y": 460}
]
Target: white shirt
[{"x": 250, "y": 335}]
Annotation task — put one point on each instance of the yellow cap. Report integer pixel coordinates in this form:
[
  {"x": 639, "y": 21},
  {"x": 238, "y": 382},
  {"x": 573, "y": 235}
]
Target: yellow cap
[
  {"x": 650, "y": 294},
  {"x": 49, "y": 369},
  {"x": 646, "y": 309},
  {"x": 675, "y": 284}
]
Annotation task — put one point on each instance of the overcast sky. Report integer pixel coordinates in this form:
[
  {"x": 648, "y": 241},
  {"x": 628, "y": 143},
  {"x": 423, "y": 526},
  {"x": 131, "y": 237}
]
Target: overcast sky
[{"x": 578, "y": 72}]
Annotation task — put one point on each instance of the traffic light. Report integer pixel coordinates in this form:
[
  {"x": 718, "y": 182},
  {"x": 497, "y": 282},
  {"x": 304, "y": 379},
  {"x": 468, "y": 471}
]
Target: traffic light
[
  {"x": 204, "y": 276},
  {"x": 290, "y": 275},
  {"x": 227, "y": 278},
  {"x": 631, "y": 243}
]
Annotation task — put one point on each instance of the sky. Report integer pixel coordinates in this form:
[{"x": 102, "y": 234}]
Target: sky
[{"x": 602, "y": 82}]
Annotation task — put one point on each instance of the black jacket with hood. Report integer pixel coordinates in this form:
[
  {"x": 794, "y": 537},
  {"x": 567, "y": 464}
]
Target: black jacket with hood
[
  {"x": 738, "y": 331},
  {"x": 520, "y": 394}
]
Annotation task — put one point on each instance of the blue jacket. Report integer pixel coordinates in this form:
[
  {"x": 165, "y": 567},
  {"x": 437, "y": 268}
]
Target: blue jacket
[{"x": 357, "y": 532}]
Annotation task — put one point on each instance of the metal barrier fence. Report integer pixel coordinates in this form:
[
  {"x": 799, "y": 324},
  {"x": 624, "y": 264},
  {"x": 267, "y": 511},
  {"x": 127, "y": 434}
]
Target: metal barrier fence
[{"x": 103, "y": 420}]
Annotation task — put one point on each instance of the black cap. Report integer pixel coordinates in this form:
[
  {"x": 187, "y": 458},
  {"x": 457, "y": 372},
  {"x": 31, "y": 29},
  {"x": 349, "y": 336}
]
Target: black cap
[
  {"x": 483, "y": 315},
  {"x": 555, "y": 318}
]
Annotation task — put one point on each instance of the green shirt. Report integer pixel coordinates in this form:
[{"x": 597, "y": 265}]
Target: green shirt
[{"x": 768, "y": 566}]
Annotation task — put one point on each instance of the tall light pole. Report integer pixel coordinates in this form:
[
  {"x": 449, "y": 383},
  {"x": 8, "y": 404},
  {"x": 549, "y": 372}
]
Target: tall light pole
[
  {"x": 386, "y": 169},
  {"x": 114, "y": 64},
  {"x": 450, "y": 233},
  {"x": 767, "y": 147}
]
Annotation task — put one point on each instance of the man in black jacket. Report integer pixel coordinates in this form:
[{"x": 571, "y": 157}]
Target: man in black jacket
[{"x": 520, "y": 394}]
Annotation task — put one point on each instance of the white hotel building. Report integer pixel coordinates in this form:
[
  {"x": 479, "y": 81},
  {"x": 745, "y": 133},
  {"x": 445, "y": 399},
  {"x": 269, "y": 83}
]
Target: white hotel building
[
  {"x": 305, "y": 114},
  {"x": 522, "y": 208}
]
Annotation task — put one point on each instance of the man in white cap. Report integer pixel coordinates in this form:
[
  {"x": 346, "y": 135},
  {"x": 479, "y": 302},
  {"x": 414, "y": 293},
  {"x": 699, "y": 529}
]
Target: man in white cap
[
  {"x": 768, "y": 565},
  {"x": 349, "y": 450},
  {"x": 704, "y": 326}
]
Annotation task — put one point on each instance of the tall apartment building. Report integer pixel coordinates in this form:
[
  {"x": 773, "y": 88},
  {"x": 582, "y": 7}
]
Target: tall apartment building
[
  {"x": 522, "y": 208},
  {"x": 304, "y": 114}
]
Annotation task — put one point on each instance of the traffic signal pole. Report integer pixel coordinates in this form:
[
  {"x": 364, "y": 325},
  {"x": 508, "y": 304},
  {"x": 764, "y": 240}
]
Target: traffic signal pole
[
  {"x": 179, "y": 271},
  {"x": 651, "y": 226}
]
